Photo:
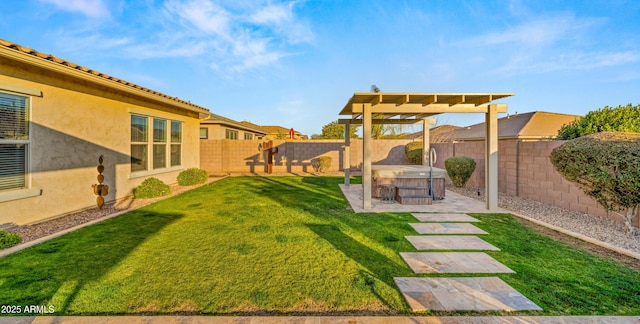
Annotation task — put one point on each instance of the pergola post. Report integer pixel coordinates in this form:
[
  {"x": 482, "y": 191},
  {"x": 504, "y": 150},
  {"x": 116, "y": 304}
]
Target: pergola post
[
  {"x": 426, "y": 139},
  {"x": 491, "y": 159},
  {"x": 346, "y": 165},
  {"x": 366, "y": 156}
]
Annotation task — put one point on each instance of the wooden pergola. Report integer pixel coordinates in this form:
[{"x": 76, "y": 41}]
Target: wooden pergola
[{"x": 369, "y": 108}]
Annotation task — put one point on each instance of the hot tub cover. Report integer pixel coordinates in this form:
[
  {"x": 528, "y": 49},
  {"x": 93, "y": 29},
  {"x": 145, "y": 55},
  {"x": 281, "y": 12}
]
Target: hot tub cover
[{"x": 405, "y": 171}]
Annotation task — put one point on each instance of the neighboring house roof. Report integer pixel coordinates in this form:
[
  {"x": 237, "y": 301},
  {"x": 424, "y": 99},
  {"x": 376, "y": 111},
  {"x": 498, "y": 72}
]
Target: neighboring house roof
[
  {"x": 49, "y": 61},
  {"x": 246, "y": 126},
  {"x": 249, "y": 124},
  {"x": 281, "y": 130},
  {"x": 276, "y": 129},
  {"x": 436, "y": 134},
  {"x": 535, "y": 125}
]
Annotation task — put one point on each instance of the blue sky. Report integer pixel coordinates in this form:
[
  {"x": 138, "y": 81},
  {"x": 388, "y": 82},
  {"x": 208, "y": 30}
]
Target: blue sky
[{"x": 296, "y": 63}]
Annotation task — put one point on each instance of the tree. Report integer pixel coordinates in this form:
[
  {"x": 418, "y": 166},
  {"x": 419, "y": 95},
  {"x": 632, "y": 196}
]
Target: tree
[
  {"x": 334, "y": 130},
  {"x": 606, "y": 166},
  {"x": 389, "y": 131},
  {"x": 619, "y": 119}
]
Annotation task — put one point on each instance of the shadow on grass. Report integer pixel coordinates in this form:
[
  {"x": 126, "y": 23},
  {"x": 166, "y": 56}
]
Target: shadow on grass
[
  {"x": 378, "y": 267},
  {"x": 54, "y": 272}
]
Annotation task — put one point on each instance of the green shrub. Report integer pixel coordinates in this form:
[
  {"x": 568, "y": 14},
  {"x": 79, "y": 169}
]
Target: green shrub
[
  {"x": 607, "y": 119},
  {"x": 413, "y": 152},
  {"x": 322, "y": 163},
  {"x": 460, "y": 169},
  {"x": 606, "y": 166},
  {"x": 8, "y": 239},
  {"x": 192, "y": 176},
  {"x": 151, "y": 188}
]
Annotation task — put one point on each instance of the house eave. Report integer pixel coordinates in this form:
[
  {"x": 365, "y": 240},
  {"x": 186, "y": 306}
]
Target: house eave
[{"x": 101, "y": 79}]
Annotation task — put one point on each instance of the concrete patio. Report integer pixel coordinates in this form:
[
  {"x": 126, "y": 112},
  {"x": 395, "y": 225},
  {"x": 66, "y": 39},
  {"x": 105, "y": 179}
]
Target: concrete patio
[{"x": 452, "y": 203}]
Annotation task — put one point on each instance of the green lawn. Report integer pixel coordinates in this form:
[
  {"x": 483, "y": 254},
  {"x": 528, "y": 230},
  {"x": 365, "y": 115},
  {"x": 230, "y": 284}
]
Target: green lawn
[{"x": 282, "y": 245}]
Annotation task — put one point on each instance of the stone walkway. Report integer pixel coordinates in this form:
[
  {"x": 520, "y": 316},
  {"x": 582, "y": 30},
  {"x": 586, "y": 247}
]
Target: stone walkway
[
  {"x": 450, "y": 242},
  {"x": 446, "y": 228},
  {"x": 453, "y": 262},
  {"x": 459, "y": 293}
]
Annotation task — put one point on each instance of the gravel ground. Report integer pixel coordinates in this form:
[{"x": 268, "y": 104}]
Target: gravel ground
[
  {"x": 36, "y": 231},
  {"x": 596, "y": 227}
]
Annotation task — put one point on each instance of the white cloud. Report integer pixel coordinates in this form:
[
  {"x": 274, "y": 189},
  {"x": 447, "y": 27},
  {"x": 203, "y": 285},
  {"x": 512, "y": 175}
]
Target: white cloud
[
  {"x": 253, "y": 53},
  {"x": 91, "y": 8},
  {"x": 234, "y": 37},
  {"x": 536, "y": 32},
  {"x": 242, "y": 38},
  {"x": 575, "y": 60},
  {"x": 273, "y": 14},
  {"x": 167, "y": 49},
  {"x": 547, "y": 44},
  {"x": 205, "y": 15}
]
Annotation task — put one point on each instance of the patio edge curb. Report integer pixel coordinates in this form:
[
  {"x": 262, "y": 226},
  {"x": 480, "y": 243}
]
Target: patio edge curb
[{"x": 581, "y": 237}]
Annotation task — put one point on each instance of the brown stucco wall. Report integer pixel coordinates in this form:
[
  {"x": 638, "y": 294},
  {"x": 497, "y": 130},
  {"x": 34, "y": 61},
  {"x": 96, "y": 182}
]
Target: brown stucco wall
[{"x": 72, "y": 124}]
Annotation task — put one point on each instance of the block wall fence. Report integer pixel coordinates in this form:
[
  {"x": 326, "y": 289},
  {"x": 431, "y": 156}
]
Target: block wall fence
[
  {"x": 524, "y": 168},
  {"x": 239, "y": 156}
]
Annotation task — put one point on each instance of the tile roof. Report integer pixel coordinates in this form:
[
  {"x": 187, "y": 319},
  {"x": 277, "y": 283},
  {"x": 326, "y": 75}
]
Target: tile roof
[
  {"x": 217, "y": 119},
  {"x": 56, "y": 60},
  {"x": 531, "y": 125},
  {"x": 440, "y": 133},
  {"x": 278, "y": 130}
]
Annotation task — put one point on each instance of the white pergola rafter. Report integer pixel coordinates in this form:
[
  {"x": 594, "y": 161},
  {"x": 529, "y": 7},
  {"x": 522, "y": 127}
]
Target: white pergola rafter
[{"x": 413, "y": 108}]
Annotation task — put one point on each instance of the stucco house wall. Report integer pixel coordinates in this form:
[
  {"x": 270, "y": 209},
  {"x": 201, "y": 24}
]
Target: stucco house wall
[{"x": 75, "y": 119}]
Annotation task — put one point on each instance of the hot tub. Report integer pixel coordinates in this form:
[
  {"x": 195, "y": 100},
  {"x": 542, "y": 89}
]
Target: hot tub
[{"x": 408, "y": 176}]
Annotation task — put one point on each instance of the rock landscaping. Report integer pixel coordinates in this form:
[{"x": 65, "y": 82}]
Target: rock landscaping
[{"x": 599, "y": 228}]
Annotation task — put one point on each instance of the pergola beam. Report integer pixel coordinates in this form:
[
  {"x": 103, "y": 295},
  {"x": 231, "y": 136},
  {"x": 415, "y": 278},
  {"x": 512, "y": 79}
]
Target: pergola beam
[
  {"x": 429, "y": 100},
  {"x": 411, "y": 108},
  {"x": 382, "y": 121}
]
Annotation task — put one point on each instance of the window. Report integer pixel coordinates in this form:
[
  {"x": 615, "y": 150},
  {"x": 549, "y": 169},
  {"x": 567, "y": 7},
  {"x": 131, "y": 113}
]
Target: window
[
  {"x": 248, "y": 136},
  {"x": 176, "y": 143},
  {"x": 231, "y": 134},
  {"x": 159, "y": 143},
  {"x": 158, "y": 149},
  {"x": 204, "y": 133},
  {"x": 14, "y": 141},
  {"x": 139, "y": 143}
]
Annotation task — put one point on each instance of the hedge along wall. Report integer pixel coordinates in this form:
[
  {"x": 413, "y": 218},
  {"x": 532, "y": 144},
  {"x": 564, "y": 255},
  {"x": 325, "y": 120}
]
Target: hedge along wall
[
  {"x": 525, "y": 170},
  {"x": 243, "y": 156}
]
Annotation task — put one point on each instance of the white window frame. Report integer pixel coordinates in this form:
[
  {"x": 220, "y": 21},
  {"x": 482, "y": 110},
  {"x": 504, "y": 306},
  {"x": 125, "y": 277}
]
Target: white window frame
[
  {"x": 150, "y": 144},
  {"x": 227, "y": 133},
  {"x": 27, "y": 190},
  {"x": 171, "y": 143}
]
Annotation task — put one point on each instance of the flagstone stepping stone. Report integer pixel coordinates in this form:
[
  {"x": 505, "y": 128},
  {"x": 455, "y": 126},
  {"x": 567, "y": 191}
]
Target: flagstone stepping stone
[
  {"x": 453, "y": 262},
  {"x": 450, "y": 242},
  {"x": 451, "y": 294},
  {"x": 446, "y": 228},
  {"x": 444, "y": 218}
]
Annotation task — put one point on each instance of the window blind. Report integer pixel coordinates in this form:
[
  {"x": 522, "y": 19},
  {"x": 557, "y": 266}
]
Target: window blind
[{"x": 12, "y": 166}]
